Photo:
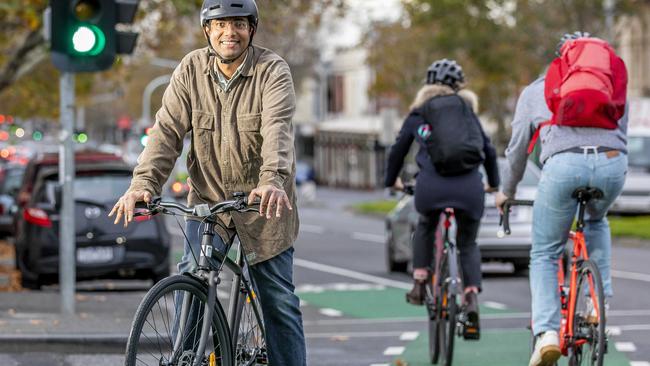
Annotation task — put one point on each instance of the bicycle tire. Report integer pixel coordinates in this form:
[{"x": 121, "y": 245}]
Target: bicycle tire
[
  {"x": 249, "y": 334},
  {"x": 171, "y": 290},
  {"x": 433, "y": 312},
  {"x": 584, "y": 327},
  {"x": 449, "y": 310}
]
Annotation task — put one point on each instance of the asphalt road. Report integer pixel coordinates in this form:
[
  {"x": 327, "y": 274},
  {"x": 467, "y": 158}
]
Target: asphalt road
[{"x": 354, "y": 312}]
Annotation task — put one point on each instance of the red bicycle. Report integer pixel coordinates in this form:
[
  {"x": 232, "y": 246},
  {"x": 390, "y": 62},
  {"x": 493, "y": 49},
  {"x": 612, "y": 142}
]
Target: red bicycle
[{"x": 582, "y": 329}]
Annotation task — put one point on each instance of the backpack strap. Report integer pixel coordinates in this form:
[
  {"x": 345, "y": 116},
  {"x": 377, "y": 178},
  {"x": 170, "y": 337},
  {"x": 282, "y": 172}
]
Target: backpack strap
[{"x": 533, "y": 140}]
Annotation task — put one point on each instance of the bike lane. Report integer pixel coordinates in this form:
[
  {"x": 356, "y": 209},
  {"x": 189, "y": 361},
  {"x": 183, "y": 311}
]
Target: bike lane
[{"x": 503, "y": 346}]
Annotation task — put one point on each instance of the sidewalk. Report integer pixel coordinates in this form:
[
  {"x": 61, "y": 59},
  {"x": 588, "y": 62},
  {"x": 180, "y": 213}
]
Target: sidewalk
[{"x": 104, "y": 312}]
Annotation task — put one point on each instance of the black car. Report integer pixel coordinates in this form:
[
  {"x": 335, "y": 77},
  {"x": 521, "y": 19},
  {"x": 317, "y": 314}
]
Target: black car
[{"x": 103, "y": 250}]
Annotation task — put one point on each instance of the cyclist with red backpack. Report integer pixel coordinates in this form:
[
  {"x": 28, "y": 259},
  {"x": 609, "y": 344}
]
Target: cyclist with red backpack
[
  {"x": 577, "y": 111},
  {"x": 452, "y": 147}
]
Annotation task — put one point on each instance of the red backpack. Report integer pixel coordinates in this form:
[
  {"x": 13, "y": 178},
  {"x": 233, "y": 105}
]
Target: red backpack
[{"x": 585, "y": 86}]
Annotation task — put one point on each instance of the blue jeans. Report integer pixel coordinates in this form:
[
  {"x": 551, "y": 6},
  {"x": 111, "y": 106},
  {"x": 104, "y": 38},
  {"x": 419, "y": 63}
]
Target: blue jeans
[
  {"x": 273, "y": 281},
  {"x": 553, "y": 215}
]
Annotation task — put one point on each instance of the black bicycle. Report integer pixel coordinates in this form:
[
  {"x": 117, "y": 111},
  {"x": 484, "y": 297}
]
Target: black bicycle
[
  {"x": 181, "y": 322},
  {"x": 443, "y": 298}
]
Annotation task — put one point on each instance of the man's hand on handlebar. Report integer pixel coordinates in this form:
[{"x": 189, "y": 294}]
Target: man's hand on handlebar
[
  {"x": 499, "y": 200},
  {"x": 126, "y": 204}
]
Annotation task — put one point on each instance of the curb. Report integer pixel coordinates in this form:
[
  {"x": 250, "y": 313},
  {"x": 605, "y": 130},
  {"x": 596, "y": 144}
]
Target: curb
[{"x": 71, "y": 343}]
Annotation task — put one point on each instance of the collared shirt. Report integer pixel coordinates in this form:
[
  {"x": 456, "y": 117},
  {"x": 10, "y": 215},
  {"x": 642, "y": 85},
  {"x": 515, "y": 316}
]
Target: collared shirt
[
  {"x": 221, "y": 78},
  {"x": 240, "y": 140}
]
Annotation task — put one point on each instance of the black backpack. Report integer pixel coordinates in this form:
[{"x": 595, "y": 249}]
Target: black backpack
[{"x": 455, "y": 145}]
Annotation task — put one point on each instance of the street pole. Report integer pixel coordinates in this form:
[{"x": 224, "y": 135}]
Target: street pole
[
  {"x": 145, "y": 120},
  {"x": 67, "y": 260}
]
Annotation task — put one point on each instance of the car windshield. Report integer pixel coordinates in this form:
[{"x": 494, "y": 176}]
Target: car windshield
[
  {"x": 638, "y": 148},
  {"x": 96, "y": 187},
  {"x": 12, "y": 181}
]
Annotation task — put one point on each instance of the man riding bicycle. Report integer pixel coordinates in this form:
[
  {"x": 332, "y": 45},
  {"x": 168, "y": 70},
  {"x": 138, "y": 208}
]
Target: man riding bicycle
[
  {"x": 236, "y": 100},
  {"x": 438, "y": 106},
  {"x": 573, "y": 157}
]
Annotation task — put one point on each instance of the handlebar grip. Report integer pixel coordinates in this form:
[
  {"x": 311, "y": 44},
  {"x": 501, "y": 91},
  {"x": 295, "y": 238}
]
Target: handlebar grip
[{"x": 505, "y": 217}]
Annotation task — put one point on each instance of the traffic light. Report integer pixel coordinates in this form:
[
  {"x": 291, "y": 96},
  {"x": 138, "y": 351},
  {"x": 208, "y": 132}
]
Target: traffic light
[
  {"x": 144, "y": 138},
  {"x": 83, "y": 35}
]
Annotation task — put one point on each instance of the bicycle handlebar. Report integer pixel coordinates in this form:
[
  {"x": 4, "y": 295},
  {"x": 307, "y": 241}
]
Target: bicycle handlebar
[
  {"x": 505, "y": 217},
  {"x": 157, "y": 205}
]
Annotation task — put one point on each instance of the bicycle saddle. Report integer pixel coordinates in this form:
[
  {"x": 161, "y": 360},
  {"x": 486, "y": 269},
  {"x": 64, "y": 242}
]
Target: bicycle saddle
[{"x": 587, "y": 193}]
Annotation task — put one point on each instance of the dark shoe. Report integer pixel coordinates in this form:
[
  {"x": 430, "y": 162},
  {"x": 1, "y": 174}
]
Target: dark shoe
[
  {"x": 416, "y": 295},
  {"x": 472, "y": 329}
]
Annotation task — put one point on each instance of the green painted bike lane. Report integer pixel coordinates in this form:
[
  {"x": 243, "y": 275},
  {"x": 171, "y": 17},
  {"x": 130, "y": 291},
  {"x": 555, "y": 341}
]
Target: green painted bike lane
[{"x": 496, "y": 347}]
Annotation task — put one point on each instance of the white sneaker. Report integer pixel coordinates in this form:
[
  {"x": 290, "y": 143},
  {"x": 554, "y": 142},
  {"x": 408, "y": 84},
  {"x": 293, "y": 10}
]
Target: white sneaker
[
  {"x": 592, "y": 318},
  {"x": 547, "y": 349}
]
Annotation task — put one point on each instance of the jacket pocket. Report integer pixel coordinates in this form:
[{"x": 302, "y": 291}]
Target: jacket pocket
[
  {"x": 250, "y": 138},
  {"x": 203, "y": 134}
]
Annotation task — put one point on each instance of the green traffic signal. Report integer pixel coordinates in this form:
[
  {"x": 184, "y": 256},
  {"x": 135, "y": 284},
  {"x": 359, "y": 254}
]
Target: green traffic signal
[
  {"x": 88, "y": 40},
  {"x": 37, "y": 135}
]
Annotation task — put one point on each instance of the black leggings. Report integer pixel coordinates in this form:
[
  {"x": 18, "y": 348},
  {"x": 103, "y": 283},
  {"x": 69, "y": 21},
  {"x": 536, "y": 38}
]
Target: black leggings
[{"x": 470, "y": 255}]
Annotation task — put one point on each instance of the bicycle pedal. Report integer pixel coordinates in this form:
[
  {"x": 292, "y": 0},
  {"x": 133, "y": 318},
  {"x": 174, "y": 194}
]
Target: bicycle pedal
[{"x": 471, "y": 333}]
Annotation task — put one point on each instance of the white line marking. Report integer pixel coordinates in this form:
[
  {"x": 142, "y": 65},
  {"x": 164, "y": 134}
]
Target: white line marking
[
  {"x": 394, "y": 351},
  {"x": 330, "y": 312},
  {"x": 379, "y": 364},
  {"x": 495, "y": 305},
  {"x": 354, "y": 335},
  {"x": 374, "y": 238},
  {"x": 634, "y": 327},
  {"x": 630, "y": 275},
  {"x": 408, "y": 336},
  {"x": 614, "y": 331},
  {"x": 625, "y": 346},
  {"x": 313, "y": 229},
  {"x": 351, "y": 274},
  {"x": 338, "y": 286},
  {"x": 639, "y": 363}
]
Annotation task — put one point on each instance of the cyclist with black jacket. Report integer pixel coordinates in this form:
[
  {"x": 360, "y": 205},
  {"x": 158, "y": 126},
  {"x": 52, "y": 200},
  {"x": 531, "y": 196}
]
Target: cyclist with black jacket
[{"x": 436, "y": 190}]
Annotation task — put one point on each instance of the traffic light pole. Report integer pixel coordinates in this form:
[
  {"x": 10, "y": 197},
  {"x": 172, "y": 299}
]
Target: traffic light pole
[{"x": 67, "y": 260}]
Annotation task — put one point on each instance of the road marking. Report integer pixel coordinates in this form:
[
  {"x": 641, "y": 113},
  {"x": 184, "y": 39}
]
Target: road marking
[
  {"x": 495, "y": 305},
  {"x": 625, "y": 346},
  {"x": 313, "y": 229},
  {"x": 630, "y": 275},
  {"x": 340, "y": 286},
  {"x": 374, "y": 238},
  {"x": 408, "y": 336},
  {"x": 634, "y": 327},
  {"x": 394, "y": 351},
  {"x": 639, "y": 363},
  {"x": 379, "y": 364},
  {"x": 391, "y": 334},
  {"x": 615, "y": 331},
  {"x": 351, "y": 274},
  {"x": 330, "y": 312}
]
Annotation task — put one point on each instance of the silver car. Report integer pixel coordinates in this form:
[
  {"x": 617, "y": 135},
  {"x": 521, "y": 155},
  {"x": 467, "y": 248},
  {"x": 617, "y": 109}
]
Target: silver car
[
  {"x": 635, "y": 198},
  {"x": 515, "y": 248}
]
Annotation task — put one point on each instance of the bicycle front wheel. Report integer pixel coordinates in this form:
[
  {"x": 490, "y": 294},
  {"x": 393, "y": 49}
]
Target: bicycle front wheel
[
  {"x": 166, "y": 329},
  {"x": 590, "y": 341},
  {"x": 250, "y": 344}
]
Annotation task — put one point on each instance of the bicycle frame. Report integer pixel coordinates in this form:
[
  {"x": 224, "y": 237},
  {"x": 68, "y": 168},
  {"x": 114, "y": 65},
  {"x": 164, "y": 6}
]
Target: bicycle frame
[
  {"x": 567, "y": 336},
  {"x": 446, "y": 243},
  {"x": 211, "y": 276}
]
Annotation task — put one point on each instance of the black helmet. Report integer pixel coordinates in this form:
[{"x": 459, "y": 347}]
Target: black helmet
[
  {"x": 217, "y": 9},
  {"x": 446, "y": 72},
  {"x": 568, "y": 37}
]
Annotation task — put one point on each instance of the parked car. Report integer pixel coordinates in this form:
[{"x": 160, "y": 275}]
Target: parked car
[
  {"x": 103, "y": 250},
  {"x": 11, "y": 176},
  {"x": 635, "y": 197},
  {"x": 515, "y": 248}
]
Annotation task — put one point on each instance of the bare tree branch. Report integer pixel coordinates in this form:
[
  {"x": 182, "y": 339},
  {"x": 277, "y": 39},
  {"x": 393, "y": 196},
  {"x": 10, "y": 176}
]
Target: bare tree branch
[{"x": 23, "y": 59}]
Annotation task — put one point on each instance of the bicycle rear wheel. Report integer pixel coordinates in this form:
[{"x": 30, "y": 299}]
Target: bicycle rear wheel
[
  {"x": 590, "y": 341},
  {"x": 157, "y": 336},
  {"x": 250, "y": 344},
  {"x": 448, "y": 313},
  {"x": 433, "y": 304}
]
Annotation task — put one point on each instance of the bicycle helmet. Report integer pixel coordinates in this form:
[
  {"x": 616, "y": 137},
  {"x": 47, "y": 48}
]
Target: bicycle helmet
[
  {"x": 218, "y": 9},
  {"x": 446, "y": 72},
  {"x": 569, "y": 36}
]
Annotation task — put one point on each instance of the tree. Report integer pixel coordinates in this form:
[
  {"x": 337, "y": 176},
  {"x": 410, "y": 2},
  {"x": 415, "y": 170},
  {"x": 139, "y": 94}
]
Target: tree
[{"x": 502, "y": 45}]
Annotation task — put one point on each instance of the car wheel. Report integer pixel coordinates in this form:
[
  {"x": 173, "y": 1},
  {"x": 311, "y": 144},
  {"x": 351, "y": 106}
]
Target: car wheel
[
  {"x": 520, "y": 266},
  {"x": 391, "y": 264},
  {"x": 157, "y": 277},
  {"x": 30, "y": 283}
]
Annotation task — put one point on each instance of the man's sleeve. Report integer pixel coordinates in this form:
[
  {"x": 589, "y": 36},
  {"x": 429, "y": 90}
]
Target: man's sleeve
[
  {"x": 400, "y": 149},
  {"x": 517, "y": 151},
  {"x": 165, "y": 142},
  {"x": 278, "y": 106}
]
